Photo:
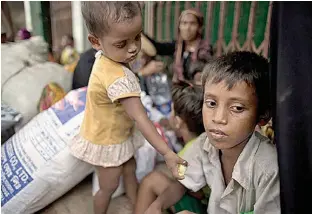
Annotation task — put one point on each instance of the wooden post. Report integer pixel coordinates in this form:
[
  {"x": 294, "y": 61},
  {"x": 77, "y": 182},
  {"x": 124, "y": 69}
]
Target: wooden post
[
  {"x": 149, "y": 17},
  {"x": 234, "y": 44},
  {"x": 266, "y": 40},
  {"x": 159, "y": 20},
  {"x": 197, "y": 5},
  {"x": 168, "y": 20},
  {"x": 187, "y": 5},
  {"x": 221, "y": 29},
  {"x": 209, "y": 21},
  {"x": 176, "y": 18},
  {"x": 251, "y": 23}
]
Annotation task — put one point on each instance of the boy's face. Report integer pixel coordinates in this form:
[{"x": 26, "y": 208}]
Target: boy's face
[
  {"x": 123, "y": 41},
  {"x": 229, "y": 116},
  {"x": 175, "y": 121}
]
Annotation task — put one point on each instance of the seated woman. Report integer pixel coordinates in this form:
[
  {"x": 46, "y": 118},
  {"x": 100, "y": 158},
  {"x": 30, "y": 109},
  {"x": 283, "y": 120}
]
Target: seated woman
[
  {"x": 186, "y": 121},
  {"x": 189, "y": 47}
]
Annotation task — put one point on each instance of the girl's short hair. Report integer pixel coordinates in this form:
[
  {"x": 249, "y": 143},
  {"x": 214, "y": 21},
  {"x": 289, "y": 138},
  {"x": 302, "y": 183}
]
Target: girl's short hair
[{"x": 99, "y": 15}]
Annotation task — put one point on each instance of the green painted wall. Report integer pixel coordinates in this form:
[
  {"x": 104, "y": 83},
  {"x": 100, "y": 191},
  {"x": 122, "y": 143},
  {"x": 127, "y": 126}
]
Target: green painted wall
[
  {"x": 36, "y": 17},
  {"x": 260, "y": 20},
  {"x": 40, "y": 18}
]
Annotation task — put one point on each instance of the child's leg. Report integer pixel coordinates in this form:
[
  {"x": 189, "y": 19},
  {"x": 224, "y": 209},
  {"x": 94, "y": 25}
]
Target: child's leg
[
  {"x": 152, "y": 186},
  {"x": 130, "y": 180},
  {"x": 108, "y": 182}
]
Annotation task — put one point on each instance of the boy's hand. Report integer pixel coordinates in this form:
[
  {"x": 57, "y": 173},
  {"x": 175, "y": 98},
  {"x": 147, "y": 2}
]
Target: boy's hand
[{"x": 173, "y": 161}]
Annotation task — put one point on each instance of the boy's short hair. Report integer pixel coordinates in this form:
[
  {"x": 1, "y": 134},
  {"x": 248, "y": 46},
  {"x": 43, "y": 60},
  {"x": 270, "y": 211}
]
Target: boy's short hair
[
  {"x": 187, "y": 103},
  {"x": 98, "y": 15},
  {"x": 242, "y": 66}
]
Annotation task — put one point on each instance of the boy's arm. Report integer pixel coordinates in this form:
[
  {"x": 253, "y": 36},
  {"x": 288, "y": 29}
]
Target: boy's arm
[
  {"x": 136, "y": 111},
  {"x": 168, "y": 198}
]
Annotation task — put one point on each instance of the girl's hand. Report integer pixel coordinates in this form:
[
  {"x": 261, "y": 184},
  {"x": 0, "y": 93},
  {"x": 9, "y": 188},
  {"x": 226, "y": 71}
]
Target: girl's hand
[
  {"x": 136, "y": 111},
  {"x": 173, "y": 161}
]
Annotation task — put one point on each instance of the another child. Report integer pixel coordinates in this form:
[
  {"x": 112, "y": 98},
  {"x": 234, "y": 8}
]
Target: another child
[
  {"x": 239, "y": 165},
  {"x": 69, "y": 54},
  {"x": 186, "y": 120},
  {"x": 107, "y": 137}
]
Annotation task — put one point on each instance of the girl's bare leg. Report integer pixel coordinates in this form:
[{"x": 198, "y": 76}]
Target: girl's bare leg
[
  {"x": 151, "y": 187},
  {"x": 130, "y": 180},
  {"x": 108, "y": 182}
]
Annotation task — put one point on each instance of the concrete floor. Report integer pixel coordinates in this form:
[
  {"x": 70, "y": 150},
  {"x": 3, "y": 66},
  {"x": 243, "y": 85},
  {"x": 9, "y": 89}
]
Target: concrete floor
[{"x": 79, "y": 200}]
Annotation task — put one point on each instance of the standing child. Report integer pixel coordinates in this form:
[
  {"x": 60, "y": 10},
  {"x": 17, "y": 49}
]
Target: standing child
[
  {"x": 239, "y": 165},
  {"x": 107, "y": 137}
]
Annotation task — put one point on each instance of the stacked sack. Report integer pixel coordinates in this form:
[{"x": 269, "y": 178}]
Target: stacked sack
[{"x": 25, "y": 71}]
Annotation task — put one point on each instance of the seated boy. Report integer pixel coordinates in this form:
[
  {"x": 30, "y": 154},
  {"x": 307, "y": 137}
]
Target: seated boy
[
  {"x": 186, "y": 121},
  {"x": 239, "y": 165}
]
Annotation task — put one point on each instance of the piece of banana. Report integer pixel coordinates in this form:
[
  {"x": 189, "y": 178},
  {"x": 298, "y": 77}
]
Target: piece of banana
[{"x": 181, "y": 170}]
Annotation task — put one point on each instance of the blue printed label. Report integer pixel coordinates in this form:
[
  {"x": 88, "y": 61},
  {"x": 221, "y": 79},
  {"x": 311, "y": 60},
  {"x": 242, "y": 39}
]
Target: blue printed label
[
  {"x": 72, "y": 105},
  {"x": 165, "y": 108},
  {"x": 14, "y": 177}
]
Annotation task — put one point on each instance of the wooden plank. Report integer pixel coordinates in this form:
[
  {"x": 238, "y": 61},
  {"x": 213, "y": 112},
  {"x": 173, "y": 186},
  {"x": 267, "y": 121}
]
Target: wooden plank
[
  {"x": 150, "y": 14},
  {"x": 168, "y": 18},
  {"x": 221, "y": 29},
  {"x": 234, "y": 44},
  {"x": 159, "y": 20},
  {"x": 209, "y": 21},
  {"x": 251, "y": 24},
  {"x": 266, "y": 41},
  {"x": 197, "y": 5},
  {"x": 176, "y": 18},
  {"x": 187, "y": 5}
]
